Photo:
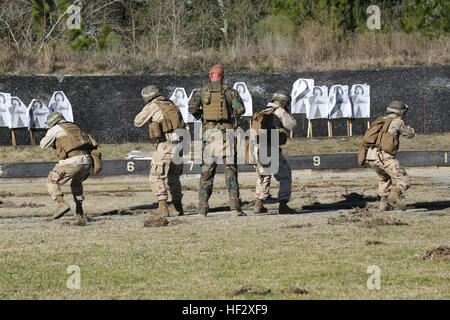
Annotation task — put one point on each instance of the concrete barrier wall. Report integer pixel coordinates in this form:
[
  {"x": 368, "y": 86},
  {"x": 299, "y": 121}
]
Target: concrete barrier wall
[{"x": 106, "y": 105}]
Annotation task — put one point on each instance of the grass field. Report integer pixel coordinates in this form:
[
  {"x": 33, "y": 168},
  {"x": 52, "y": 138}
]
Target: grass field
[
  {"x": 322, "y": 253},
  {"x": 421, "y": 142}
]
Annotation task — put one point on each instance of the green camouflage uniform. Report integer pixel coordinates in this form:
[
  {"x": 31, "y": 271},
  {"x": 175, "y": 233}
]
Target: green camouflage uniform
[
  {"x": 210, "y": 128},
  {"x": 385, "y": 165}
]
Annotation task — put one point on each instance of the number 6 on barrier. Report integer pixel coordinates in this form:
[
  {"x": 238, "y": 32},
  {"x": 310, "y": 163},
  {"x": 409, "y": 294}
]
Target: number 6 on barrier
[{"x": 130, "y": 166}]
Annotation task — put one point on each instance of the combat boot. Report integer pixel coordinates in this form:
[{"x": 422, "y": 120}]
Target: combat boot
[
  {"x": 62, "y": 208},
  {"x": 203, "y": 209},
  {"x": 284, "y": 208},
  {"x": 384, "y": 204},
  {"x": 396, "y": 198},
  {"x": 178, "y": 207},
  {"x": 259, "y": 207},
  {"x": 238, "y": 213},
  {"x": 163, "y": 209}
]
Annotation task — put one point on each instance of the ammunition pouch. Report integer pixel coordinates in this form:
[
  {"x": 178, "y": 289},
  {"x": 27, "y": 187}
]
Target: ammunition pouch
[
  {"x": 96, "y": 159},
  {"x": 389, "y": 143}
]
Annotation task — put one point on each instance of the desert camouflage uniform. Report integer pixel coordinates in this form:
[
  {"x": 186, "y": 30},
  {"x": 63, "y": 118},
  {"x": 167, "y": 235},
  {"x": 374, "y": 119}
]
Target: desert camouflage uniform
[
  {"x": 75, "y": 168},
  {"x": 164, "y": 173},
  {"x": 284, "y": 120},
  {"x": 210, "y": 129},
  {"x": 385, "y": 165}
]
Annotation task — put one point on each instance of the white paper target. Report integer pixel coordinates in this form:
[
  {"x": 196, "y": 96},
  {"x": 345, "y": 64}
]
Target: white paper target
[
  {"x": 246, "y": 97},
  {"x": 317, "y": 107},
  {"x": 19, "y": 114},
  {"x": 360, "y": 99},
  {"x": 60, "y": 103},
  {"x": 339, "y": 105},
  {"x": 301, "y": 91},
  {"x": 5, "y": 105},
  {"x": 181, "y": 100},
  {"x": 38, "y": 112}
]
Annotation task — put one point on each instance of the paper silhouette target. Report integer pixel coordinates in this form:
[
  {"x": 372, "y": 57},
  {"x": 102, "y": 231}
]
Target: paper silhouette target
[
  {"x": 181, "y": 100},
  {"x": 19, "y": 114},
  {"x": 339, "y": 105},
  {"x": 190, "y": 116},
  {"x": 246, "y": 97},
  {"x": 301, "y": 91},
  {"x": 5, "y": 105},
  {"x": 60, "y": 103},
  {"x": 360, "y": 100},
  {"x": 317, "y": 107},
  {"x": 38, "y": 112}
]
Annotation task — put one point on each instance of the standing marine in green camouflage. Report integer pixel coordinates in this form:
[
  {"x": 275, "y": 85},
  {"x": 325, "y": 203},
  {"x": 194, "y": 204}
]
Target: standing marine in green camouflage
[
  {"x": 219, "y": 106},
  {"x": 384, "y": 163}
]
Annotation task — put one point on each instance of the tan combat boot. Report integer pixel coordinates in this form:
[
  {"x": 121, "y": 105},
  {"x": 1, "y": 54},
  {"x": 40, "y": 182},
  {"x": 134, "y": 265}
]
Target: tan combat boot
[
  {"x": 178, "y": 207},
  {"x": 62, "y": 208},
  {"x": 384, "y": 204},
  {"x": 396, "y": 198},
  {"x": 163, "y": 209},
  {"x": 284, "y": 208},
  {"x": 259, "y": 207},
  {"x": 238, "y": 213}
]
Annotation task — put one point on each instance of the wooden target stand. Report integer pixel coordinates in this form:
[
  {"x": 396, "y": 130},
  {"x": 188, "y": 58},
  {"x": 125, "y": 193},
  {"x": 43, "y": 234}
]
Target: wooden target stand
[
  {"x": 32, "y": 135},
  {"x": 330, "y": 126}
]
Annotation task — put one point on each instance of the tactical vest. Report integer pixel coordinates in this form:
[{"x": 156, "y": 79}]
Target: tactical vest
[
  {"x": 75, "y": 143},
  {"x": 377, "y": 136},
  {"x": 264, "y": 120},
  {"x": 214, "y": 103},
  {"x": 172, "y": 120}
]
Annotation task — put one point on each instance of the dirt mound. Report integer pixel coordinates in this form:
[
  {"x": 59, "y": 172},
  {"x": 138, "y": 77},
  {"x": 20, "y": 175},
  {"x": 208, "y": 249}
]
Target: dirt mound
[
  {"x": 295, "y": 289},
  {"x": 383, "y": 221},
  {"x": 372, "y": 242},
  {"x": 439, "y": 253},
  {"x": 343, "y": 218},
  {"x": 250, "y": 289}
]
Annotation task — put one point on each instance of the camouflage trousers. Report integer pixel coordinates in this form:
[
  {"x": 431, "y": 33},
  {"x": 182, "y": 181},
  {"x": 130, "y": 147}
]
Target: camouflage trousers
[
  {"x": 283, "y": 176},
  {"x": 214, "y": 148},
  {"x": 62, "y": 173},
  {"x": 164, "y": 174},
  {"x": 390, "y": 171}
]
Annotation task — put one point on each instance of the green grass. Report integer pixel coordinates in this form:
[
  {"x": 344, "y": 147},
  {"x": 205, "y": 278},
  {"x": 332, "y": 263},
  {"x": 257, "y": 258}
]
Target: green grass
[
  {"x": 422, "y": 142},
  {"x": 210, "y": 258}
]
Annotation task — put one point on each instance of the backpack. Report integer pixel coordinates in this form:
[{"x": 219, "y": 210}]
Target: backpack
[
  {"x": 377, "y": 136},
  {"x": 264, "y": 120}
]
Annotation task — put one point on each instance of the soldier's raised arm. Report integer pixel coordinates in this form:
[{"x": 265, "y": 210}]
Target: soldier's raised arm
[
  {"x": 407, "y": 131},
  {"x": 195, "y": 104}
]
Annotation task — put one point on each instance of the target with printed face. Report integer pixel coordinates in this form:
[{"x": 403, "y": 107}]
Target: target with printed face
[
  {"x": 37, "y": 112},
  {"x": 19, "y": 114},
  {"x": 181, "y": 100},
  {"x": 246, "y": 97},
  {"x": 360, "y": 100},
  {"x": 339, "y": 105},
  {"x": 301, "y": 91},
  {"x": 60, "y": 103},
  {"x": 317, "y": 107},
  {"x": 190, "y": 116},
  {"x": 5, "y": 105}
]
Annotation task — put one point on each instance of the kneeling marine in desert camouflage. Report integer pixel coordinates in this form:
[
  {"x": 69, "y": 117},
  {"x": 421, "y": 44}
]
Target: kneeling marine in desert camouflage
[
  {"x": 278, "y": 119},
  {"x": 74, "y": 149},
  {"x": 164, "y": 118},
  {"x": 393, "y": 179}
]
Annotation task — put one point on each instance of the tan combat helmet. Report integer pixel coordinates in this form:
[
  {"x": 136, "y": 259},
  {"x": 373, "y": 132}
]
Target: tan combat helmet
[
  {"x": 53, "y": 118},
  {"x": 283, "y": 97},
  {"x": 150, "y": 92},
  {"x": 397, "y": 107}
]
